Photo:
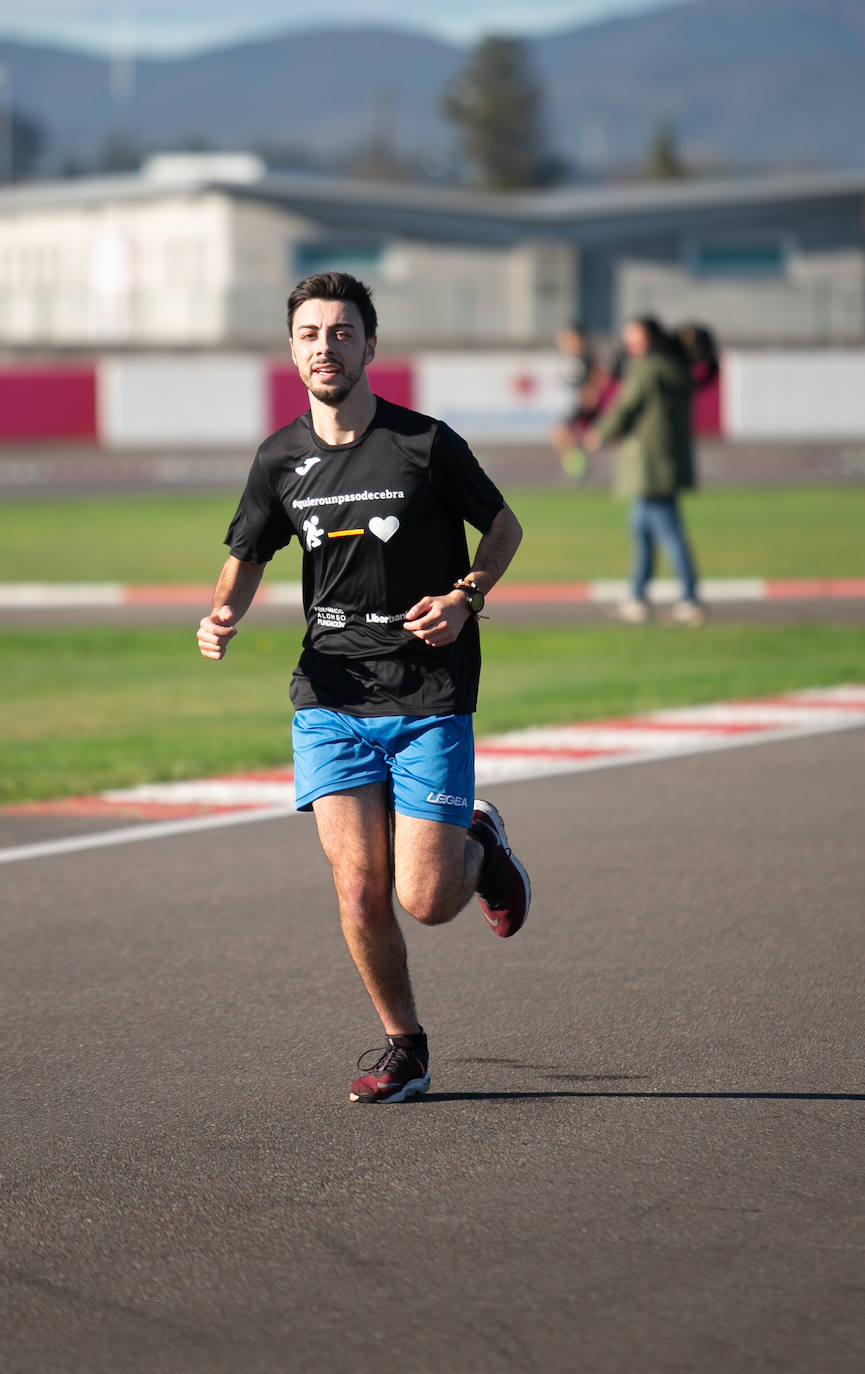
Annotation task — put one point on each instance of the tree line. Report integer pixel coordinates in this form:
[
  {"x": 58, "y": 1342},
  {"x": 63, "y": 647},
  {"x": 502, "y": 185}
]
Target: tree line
[{"x": 496, "y": 107}]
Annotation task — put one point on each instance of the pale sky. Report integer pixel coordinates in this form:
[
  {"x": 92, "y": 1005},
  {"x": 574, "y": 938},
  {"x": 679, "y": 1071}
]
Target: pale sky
[{"x": 174, "y": 26}]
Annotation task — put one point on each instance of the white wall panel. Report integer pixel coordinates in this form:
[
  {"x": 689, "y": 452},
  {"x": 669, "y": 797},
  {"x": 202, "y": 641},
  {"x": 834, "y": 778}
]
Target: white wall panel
[
  {"x": 794, "y": 395},
  {"x": 191, "y": 402}
]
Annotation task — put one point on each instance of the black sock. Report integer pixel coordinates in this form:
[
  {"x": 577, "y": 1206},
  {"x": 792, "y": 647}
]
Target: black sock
[
  {"x": 486, "y": 841},
  {"x": 417, "y": 1041}
]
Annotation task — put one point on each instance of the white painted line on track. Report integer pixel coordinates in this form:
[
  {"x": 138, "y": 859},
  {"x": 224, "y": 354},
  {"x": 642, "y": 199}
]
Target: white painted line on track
[
  {"x": 30, "y": 595},
  {"x": 604, "y": 591},
  {"x": 663, "y": 591},
  {"x": 133, "y": 834}
]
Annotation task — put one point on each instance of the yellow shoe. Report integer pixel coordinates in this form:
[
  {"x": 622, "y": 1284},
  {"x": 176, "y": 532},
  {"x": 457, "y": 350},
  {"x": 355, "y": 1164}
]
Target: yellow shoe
[{"x": 574, "y": 462}]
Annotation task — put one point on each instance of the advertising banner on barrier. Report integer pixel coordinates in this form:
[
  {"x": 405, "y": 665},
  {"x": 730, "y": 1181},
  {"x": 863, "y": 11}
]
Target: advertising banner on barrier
[{"x": 503, "y": 397}]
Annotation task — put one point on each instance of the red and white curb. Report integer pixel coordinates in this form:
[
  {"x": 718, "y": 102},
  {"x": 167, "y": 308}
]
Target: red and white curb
[
  {"x": 546, "y": 751},
  {"x": 518, "y": 755},
  {"x": 106, "y": 595}
]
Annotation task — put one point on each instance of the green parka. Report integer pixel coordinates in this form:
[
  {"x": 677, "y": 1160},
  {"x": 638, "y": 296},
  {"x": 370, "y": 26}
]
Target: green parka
[{"x": 652, "y": 417}]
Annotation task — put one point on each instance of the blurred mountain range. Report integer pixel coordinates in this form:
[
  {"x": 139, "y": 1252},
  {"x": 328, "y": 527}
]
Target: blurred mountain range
[{"x": 745, "y": 84}]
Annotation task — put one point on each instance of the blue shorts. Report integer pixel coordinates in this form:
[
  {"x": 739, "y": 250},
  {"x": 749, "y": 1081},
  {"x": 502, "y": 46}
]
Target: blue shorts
[{"x": 428, "y": 762}]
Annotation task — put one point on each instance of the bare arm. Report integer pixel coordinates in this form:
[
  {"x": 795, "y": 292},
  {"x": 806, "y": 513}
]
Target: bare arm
[
  {"x": 496, "y": 550},
  {"x": 438, "y": 620},
  {"x": 237, "y": 585}
]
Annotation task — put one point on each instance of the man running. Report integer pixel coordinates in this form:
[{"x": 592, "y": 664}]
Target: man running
[{"x": 388, "y": 675}]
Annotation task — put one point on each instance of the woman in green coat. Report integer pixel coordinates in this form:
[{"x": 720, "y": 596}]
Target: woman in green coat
[{"x": 651, "y": 419}]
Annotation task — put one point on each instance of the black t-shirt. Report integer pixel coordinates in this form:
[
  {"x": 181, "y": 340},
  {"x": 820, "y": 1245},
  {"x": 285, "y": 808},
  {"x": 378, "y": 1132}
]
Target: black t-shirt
[{"x": 380, "y": 522}]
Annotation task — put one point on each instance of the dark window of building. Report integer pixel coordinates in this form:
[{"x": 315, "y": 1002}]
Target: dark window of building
[
  {"x": 758, "y": 259},
  {"x": 335, "y": 255}
]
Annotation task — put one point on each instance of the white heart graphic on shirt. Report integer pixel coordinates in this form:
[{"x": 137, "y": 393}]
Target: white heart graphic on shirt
[{"x": 383, "y": 529}]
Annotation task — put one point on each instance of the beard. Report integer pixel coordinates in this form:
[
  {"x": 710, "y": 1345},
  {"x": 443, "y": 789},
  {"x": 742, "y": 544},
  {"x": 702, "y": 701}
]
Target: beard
[{"x": 334, "y": 392}]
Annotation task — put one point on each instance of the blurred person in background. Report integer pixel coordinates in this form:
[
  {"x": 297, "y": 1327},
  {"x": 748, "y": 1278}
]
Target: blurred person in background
[
  {"x": 701, "y": 350},
  {"x": 650, "y": 419},
  {"x": 383, "y": 695},
  {"x": 588, "y": 381}
]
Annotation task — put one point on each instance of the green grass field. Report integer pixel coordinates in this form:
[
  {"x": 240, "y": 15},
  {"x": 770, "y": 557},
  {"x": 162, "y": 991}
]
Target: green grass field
[
  {"x": 570, "y": 535},
  {"x": 85, "y": 709}
]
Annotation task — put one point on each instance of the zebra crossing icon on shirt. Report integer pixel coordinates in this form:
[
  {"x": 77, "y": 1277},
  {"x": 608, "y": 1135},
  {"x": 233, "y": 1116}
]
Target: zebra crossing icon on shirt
[{"x": 313, "y": 531}]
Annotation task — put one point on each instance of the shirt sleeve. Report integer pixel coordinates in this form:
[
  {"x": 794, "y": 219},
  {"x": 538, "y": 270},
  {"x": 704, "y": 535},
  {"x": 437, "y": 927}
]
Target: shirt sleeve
[
  {"x": 620, "y": 418},
  {"x": 260, "y": 526},
  {"x": 460, "y": 482}
]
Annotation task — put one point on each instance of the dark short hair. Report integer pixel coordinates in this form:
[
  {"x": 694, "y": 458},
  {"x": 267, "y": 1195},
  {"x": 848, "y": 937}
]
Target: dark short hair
[{"x": 335, "y": 286}]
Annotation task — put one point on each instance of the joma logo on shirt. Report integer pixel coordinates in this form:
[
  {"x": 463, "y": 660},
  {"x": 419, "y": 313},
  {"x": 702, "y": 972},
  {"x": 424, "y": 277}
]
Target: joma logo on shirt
[{"x": 445, "y": 799}]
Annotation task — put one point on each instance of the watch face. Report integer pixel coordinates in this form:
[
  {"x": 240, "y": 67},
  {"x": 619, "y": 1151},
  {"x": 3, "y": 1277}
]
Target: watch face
[{"x": 474, "y": 598}]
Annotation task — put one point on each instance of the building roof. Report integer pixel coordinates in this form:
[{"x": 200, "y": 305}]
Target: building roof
[{"x": 434, "y": 212}]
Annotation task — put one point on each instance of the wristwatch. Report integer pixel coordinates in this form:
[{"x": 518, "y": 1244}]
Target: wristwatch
[{"x": 473, "y": 594}]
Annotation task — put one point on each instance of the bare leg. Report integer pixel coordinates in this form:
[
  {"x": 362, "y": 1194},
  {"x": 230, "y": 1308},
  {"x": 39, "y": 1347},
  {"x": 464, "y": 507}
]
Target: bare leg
[
  {"x": 355, "y": 832},
  {"x": 436, "y": 868}
]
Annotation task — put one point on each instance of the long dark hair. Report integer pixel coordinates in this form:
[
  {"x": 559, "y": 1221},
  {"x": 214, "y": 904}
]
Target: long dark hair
[
  {"x": 660, "y": 340},
  {"x": 657, "y": 338}
]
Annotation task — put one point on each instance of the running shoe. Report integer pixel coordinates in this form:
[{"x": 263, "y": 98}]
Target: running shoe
[
  {"x": 574, "y": 462},
  {"x": 688, "y": 613},
  {"x": 634, "y": 611},
  {"x": 504, "y": 890},
  {"x": 400, "y": 1072}
]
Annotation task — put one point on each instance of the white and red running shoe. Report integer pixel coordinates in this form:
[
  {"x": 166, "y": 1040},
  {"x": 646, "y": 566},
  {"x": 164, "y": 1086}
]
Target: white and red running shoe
[
  {"x": 400, "y": 1072},
  {"x": 504, "y": 889}
]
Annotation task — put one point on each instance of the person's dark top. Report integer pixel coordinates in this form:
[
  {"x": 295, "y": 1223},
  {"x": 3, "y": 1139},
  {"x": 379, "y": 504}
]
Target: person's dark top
[{"x": 380, "y": 522}]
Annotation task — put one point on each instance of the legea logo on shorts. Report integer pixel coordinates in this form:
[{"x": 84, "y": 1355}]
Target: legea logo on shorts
[{"x": 446, "y": 799}]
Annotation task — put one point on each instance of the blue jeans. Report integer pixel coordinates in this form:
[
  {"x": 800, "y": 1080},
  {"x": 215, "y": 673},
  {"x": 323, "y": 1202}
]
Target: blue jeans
[{"x": 653, "y": 521}]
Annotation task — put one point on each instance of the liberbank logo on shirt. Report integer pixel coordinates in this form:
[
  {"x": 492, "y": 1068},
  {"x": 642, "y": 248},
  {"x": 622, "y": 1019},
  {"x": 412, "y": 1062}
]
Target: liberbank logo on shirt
[
  {"x": 335, "y": 618},
  {"x": 374, "y": 618}
]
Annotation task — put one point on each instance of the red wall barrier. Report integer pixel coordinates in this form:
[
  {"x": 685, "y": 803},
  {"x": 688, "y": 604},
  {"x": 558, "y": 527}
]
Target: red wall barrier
[
  {"x": 707, "y": 408},
  {"x": 48, "y": 403},
  {"x": 287, "y": 396}
]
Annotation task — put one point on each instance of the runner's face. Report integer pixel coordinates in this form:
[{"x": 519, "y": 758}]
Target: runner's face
[{"x": 329, "y": 349}]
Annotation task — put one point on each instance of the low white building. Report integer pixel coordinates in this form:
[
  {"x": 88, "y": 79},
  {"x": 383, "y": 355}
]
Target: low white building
[{"x": 201, "y": 252}]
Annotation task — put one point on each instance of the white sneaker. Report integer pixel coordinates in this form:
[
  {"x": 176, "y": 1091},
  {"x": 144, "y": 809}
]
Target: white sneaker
[
  {"x": 688, "y": 613},
  {"x": 634, "y": 611}
]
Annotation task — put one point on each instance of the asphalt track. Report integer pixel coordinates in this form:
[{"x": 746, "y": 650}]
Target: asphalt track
[{"x": 643, "y": 1146}]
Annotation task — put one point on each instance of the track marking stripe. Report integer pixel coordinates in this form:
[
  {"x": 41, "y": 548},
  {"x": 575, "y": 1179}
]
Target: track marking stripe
[
  {"x": 133, "y": 834},
  {"x": 25, "y": 595},
  {"x": 532, "y": 753}
]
